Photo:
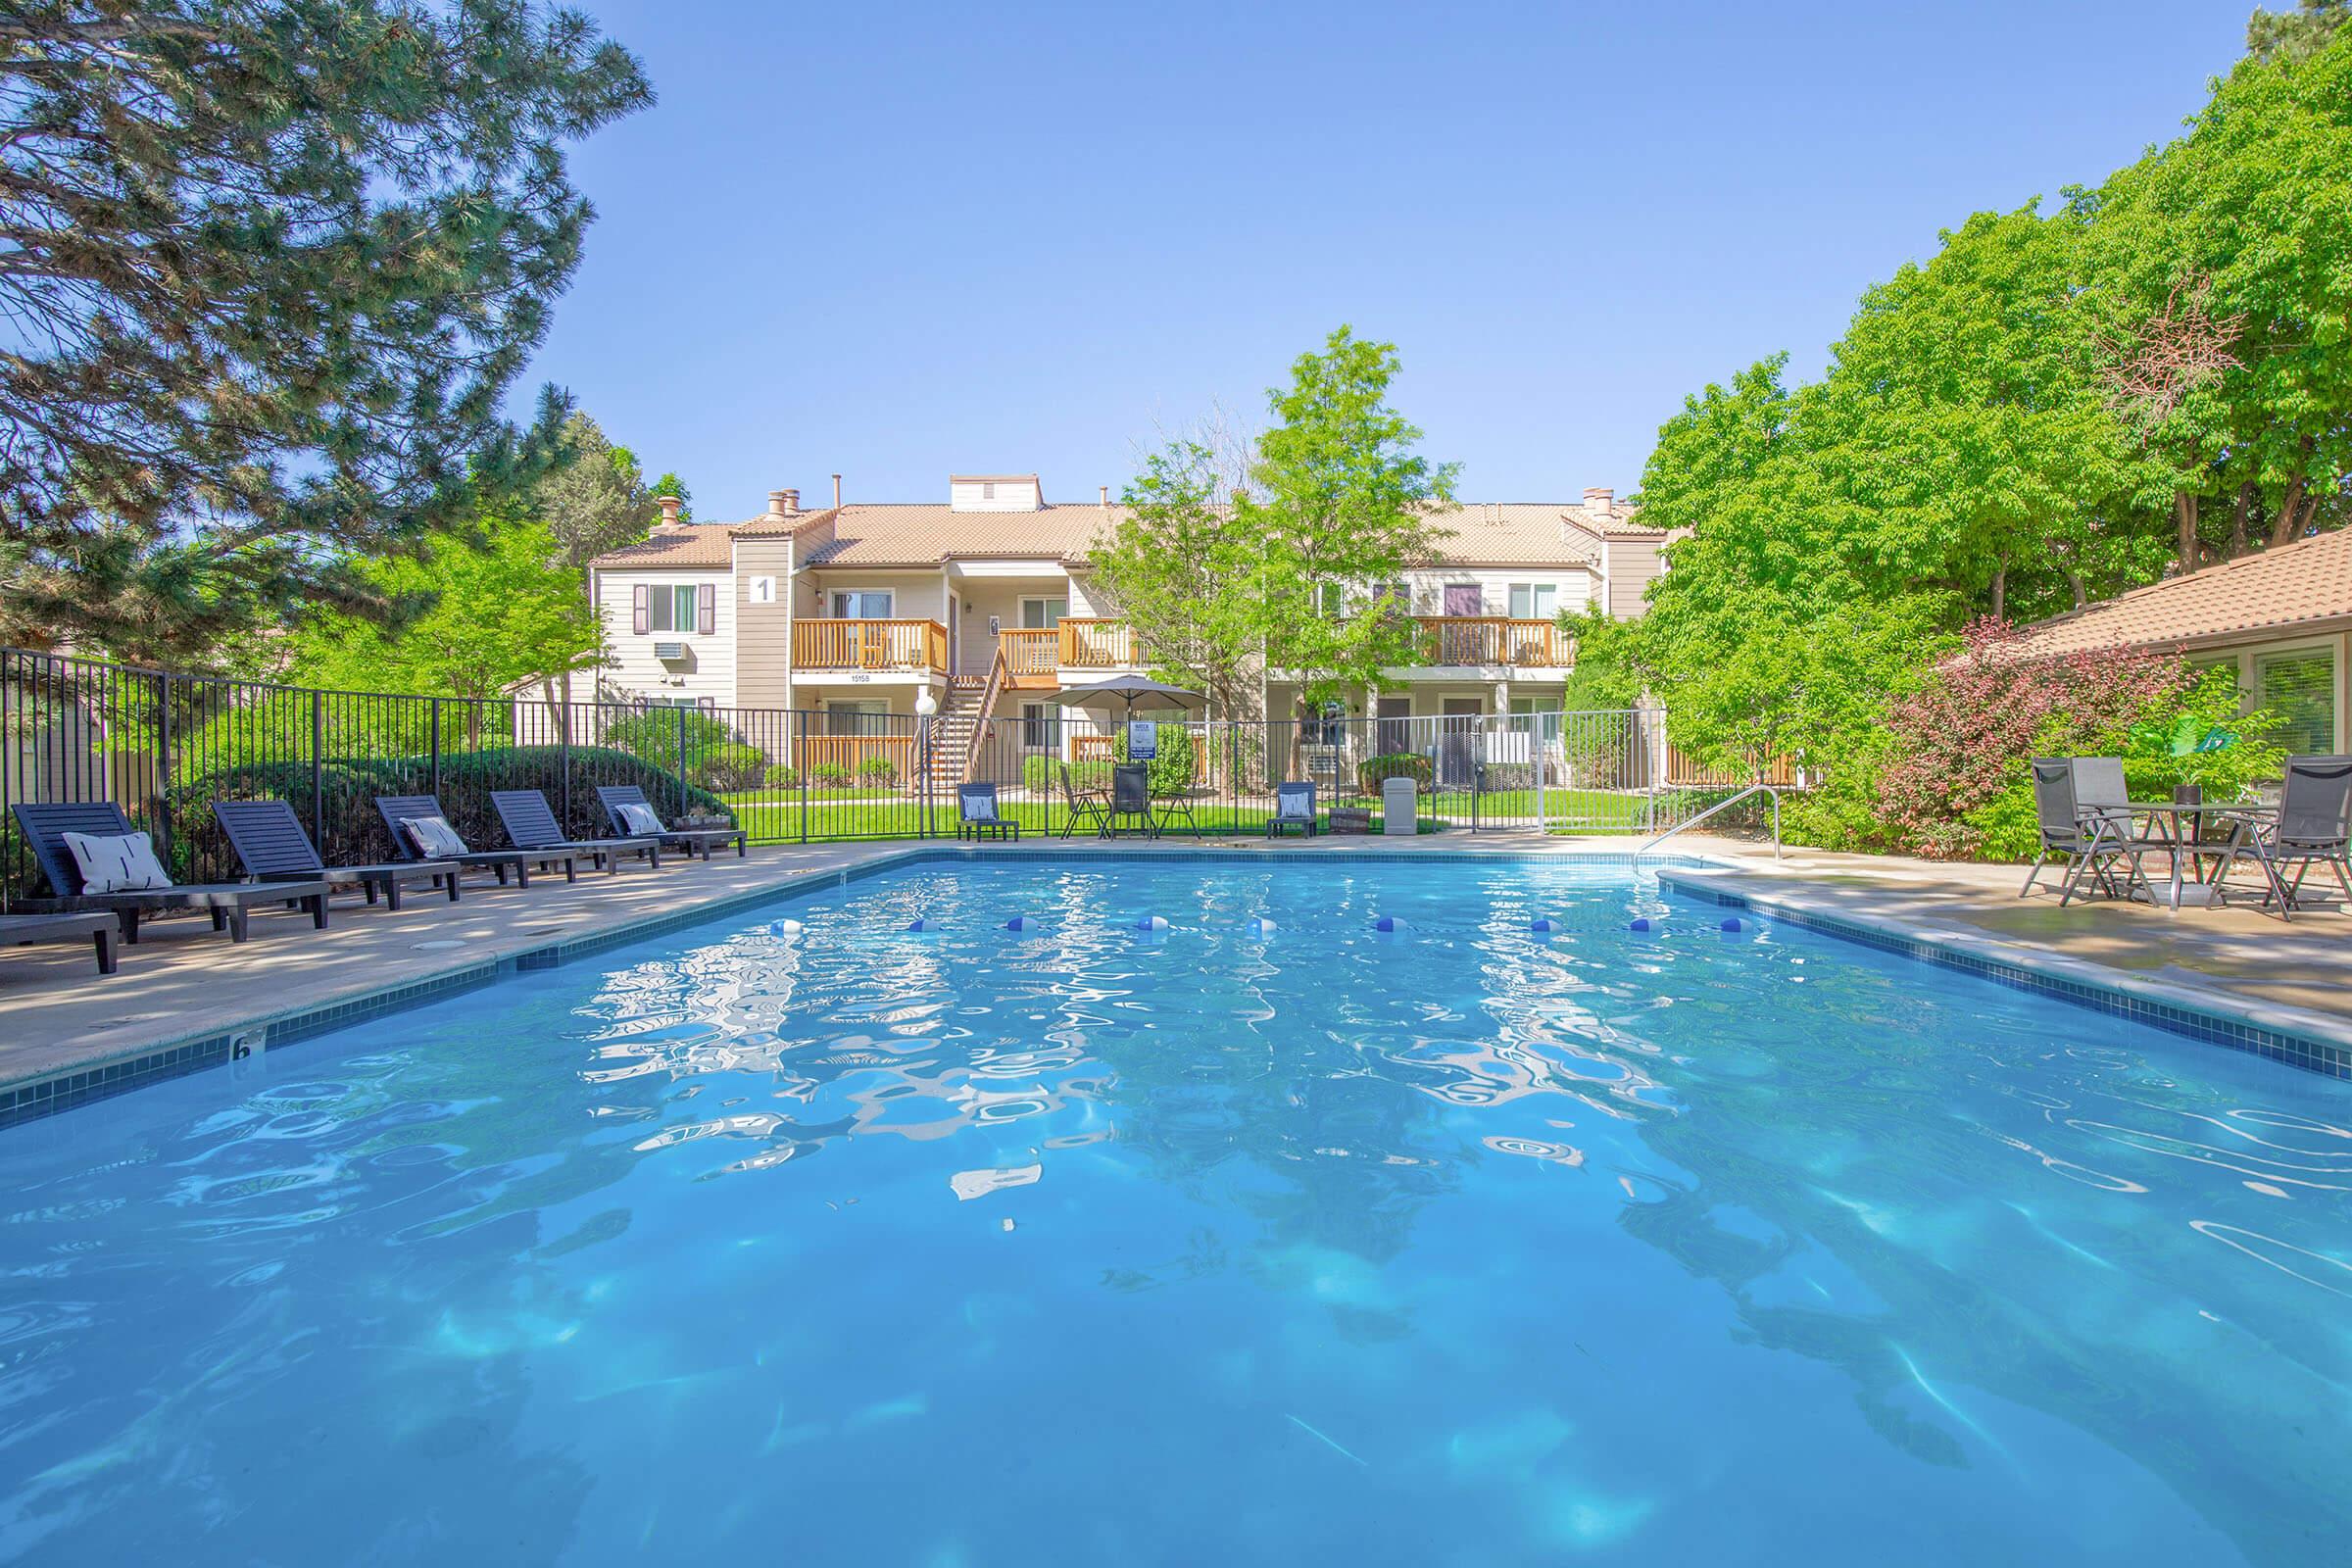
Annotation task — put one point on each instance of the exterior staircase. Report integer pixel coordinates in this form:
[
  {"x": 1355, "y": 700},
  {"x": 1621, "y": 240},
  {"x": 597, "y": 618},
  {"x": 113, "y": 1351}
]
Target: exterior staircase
[{"x": 961, "y": 712}]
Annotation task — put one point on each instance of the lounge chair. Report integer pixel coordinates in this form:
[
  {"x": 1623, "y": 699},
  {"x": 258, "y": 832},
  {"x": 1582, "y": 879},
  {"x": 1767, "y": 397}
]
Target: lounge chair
[
  {"x": 2312, "y": 827},
  {"x": 400, "y": 810},
  {"x": 1085, "y": 809},
  {"x": 100, "y": 927},
  {"x": 1131, "y": 796},
  {"x": 976, "y": 814},
  {"x": 1293, "y": 807},
  {"x": 618, "y": 798},
  {"x": 532, "y": 825},
  {"x": 272, "y": 847},
  {"x": 46, "y": 824}
]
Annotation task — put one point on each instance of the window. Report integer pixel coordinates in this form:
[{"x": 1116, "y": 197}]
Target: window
[
  {"x": 988, "y": 489},
  {"x": 1465, "y": 599},
  {"x": 1040, "y": 724},
  {"x": 2300, "y": 688},
  {"x": 1042, "y": 614},
  {"x": 863, "y": 604},
  {"x": 1332, "y": 601},
  {"x": 863, "y": 716},
  {"x": 1327, "y": 726},
  {"x": 1535, "y": 601},
  {"x": 670, "y": 608}
]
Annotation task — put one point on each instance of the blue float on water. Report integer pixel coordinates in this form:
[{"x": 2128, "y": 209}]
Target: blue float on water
[
  {"x": 1259, "y": 925},
  {"x": 919, "y": 925},
  {"x": 785, "y": 928},
  {"x": 1543, "y": 923},
  {"x": 1733, "y": 924},
  {"x": 1639, "y": 926},
  {"x": 1021, "y": 923},
  {"x": 1153, "y": 922},
  {"x": 1390, "y": 922}
]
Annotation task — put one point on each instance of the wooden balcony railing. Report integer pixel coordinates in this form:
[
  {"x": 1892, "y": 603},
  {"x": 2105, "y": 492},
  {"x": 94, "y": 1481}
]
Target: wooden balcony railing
[
  {"x": 1495, "y": 640},
  {"x": 849, "y": 753},
  {"x": 1099, "y": 748},
  {"x": 1088, "y": 643},
  {"x": 1029, "y": 652},
  {"x": 900, "y": 644}
]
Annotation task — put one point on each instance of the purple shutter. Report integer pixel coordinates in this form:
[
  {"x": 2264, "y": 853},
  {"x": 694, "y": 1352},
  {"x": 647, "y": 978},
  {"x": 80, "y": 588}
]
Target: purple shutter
[
  {"x": 640, "y": 608},
  {"x": 706, "y": 608}
]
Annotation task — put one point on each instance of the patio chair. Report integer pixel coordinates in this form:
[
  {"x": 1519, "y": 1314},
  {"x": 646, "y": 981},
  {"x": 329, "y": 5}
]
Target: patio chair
[
  {"x": 2111, "y": 829},
  {"x": 530, "y": 824},
  {"x": 617, "y": 799},
  {"x": 45, "y": 825},
  {"x": 1293, "y": 807},
  {"x": 2312, "y": 827},
  {"x": 976, "y": 814},
  {"x": 272, "y": 847},
  {"x": 1176, "y": 810},
  {"x": 1085, "y": 808},
  {"x": 404, "y": 815},
  {"x": 101, "y": 928},
  {"x": 1131, "y": 796}
]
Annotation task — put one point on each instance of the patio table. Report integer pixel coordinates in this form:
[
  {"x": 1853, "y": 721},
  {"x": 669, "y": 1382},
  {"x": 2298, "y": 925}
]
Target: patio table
[{"x": 2169, "y": 816}]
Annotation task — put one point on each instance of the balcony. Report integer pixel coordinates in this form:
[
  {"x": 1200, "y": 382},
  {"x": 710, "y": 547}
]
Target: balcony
[
  {"x": 1495, "y": 640},
  {"x": 908, "y": 647},
  {"x": 1029, "y": 654},
  {"x": 1088, "y": 643}
]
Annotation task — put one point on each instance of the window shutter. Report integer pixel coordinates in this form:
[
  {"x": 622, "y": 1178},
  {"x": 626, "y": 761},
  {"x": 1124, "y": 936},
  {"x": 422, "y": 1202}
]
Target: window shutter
[
  {"x": 640, "y": 608},
  {"x": 706, "y": 608}
]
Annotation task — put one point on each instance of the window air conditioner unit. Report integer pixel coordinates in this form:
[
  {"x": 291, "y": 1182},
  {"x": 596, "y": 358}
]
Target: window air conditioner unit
[{"x": 669, "y": 649}]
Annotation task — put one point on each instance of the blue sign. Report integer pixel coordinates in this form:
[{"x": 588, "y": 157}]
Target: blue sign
[{"x": 1143, "y": 740}]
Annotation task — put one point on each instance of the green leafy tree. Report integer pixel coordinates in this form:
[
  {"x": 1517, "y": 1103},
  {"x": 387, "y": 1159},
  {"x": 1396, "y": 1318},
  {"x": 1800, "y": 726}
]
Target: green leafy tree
[
  {"x": 2292, "y": 35},
  {"x": 1341, "y": 504},
  {"x": 502, "y": 611},
  {"x": 271, "y": 268},
  {"x": 1184, "y": 570}
]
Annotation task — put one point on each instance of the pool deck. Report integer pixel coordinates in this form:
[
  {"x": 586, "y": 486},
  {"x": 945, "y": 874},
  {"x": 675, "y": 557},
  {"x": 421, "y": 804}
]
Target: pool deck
[{"x": 184, "y": 983}]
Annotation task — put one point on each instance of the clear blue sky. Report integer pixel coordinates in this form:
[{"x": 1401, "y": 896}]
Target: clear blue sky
[{"x": 901, "y": 241}]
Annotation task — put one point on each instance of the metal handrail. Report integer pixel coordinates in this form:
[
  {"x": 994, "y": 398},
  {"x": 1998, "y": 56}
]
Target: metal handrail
[{"x": 1752, "y": 789}]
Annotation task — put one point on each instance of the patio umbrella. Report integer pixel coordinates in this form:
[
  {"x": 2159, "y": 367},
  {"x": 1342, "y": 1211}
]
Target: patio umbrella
[{"x": 1128, "y": 689}]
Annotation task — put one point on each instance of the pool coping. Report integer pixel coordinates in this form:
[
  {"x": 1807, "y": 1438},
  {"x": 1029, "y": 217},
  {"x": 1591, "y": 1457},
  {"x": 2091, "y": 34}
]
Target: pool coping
[
  {"x": 2300, "y": 1039},
  {"x": 2310, "y": 1041}
]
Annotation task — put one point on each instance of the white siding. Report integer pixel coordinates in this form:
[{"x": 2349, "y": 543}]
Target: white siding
[
  {"x": 1010, "y": 495},
  {"x": 1574, "y": 585},
  {"x": 707, "y": 671}
]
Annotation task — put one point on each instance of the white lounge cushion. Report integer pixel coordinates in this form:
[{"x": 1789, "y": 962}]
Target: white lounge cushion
[
  {"x": 433, "y": 836},
  {"x": 639, "y": 818},
  {"x": 116, "y": 863}
]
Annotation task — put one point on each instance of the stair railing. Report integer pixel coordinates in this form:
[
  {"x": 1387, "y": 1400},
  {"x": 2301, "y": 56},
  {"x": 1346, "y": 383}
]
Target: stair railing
[{"x": 982, "y": 713}]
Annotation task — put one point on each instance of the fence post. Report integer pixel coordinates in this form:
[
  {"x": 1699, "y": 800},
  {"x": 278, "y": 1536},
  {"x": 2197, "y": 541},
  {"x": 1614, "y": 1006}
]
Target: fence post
[
  {"x": 800, "y": 729},
  {"x": 435, "y": 776},
  {"x": 161, "y": 810},
  {"x": 319, "y": 770},
  {"x": 563, "y": 758},
  {"x": 681, "y": 760}
]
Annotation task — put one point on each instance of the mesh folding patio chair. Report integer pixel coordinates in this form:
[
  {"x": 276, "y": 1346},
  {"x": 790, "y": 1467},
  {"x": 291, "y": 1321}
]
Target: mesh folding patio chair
[
  {"x": 2086, "y": 842},
  {"x": 2313, "y": 826},
  {"x": 1085, "y": 808}
]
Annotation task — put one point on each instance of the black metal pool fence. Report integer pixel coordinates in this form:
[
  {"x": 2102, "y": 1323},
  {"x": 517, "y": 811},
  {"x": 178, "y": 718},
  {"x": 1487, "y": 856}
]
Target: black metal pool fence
[{"x": 163, "y": 745}]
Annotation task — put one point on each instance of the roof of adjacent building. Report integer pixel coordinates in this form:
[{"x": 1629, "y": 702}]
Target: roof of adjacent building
[
  {"x": 2301, "y": 585},
  {"x": 929, "y": 534}
]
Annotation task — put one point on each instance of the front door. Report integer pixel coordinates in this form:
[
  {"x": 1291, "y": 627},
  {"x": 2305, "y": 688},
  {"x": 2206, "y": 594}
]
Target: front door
[
  {"x": 1465, "y": 599},
  {"x": 1394, "y": 733}
]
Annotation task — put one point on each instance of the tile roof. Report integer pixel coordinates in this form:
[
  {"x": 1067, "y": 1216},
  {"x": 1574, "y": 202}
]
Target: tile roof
[
  {"x": 924, "y": 534},
  {"x": 693, "y": 544},
  {"x": 2301, "y": 585}
]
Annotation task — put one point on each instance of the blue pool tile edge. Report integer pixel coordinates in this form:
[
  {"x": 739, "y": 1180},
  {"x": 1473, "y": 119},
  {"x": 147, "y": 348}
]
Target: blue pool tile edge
[
  {"x": 37, "y": 1098},
  {"x": 2278, "y": 1034}
]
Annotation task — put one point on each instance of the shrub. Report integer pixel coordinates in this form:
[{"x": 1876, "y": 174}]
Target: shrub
[
  {"x": 880, "y": 771},
  {"x": 1955, "y": 782},
  {"x": 832, "y": 776},
  {"x": 1042, "y": 773},
  {"x": 1374, "y": 771},
  {"x": 782, "y": 777},
  {"x": 1170, "y": 769},
  {"x": 728, "y": 766}
]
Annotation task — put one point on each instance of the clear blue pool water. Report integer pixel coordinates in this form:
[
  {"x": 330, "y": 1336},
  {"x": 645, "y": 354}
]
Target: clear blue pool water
[{"x": 1459, "y": 1246}]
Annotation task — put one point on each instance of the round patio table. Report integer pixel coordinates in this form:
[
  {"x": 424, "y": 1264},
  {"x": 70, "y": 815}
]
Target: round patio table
[{"x": 2172, "y": 814}]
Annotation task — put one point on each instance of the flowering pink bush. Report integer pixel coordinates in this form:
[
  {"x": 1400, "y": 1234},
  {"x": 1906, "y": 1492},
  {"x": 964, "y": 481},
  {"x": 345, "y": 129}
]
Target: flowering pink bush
[{"x": 1960, "y": 745}]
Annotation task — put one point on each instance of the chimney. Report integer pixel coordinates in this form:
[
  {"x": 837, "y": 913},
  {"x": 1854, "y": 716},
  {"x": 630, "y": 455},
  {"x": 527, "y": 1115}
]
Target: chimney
[
  {"x": 781, "y": 502},
  {"x": 1106, "y": 495},
  {"x": 669, "y": 515},
  {"x": 837, "y": 492},
  {"x": 1599, "y": 497}
]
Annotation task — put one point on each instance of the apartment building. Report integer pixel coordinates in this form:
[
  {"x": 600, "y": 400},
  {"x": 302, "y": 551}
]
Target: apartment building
[{"x": 855, "y": 609}]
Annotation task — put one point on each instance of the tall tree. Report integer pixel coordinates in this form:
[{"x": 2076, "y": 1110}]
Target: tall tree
[
  {"x": 1183, "y": 570},
  {"x": 501, "y": 610},
  {"x": 1342, "y": 506},
  {"x": 597, "y": 498},
  {"x": 2292, "y": 35},
  {"x": 271, "y": 266}
]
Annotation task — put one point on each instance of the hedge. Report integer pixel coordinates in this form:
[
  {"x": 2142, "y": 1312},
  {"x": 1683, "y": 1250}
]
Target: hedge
[
  {"x": 1373, "y": 772},
  {"x": 1038, "y": 772}
]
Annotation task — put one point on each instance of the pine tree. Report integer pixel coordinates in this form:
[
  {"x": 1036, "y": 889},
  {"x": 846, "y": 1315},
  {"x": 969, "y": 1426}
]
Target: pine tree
[{"x": 271, "y": 266}]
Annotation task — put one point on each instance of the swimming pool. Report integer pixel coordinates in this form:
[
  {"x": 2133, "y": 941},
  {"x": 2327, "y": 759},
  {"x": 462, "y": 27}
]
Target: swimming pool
[{"x": 1456, "y": 1244}]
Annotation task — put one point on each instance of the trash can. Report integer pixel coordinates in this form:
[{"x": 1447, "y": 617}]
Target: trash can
[{"x": 1398, "y": 812}]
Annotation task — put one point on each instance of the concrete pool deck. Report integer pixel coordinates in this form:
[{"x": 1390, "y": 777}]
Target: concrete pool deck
[{"x": 184, "y": 985}]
